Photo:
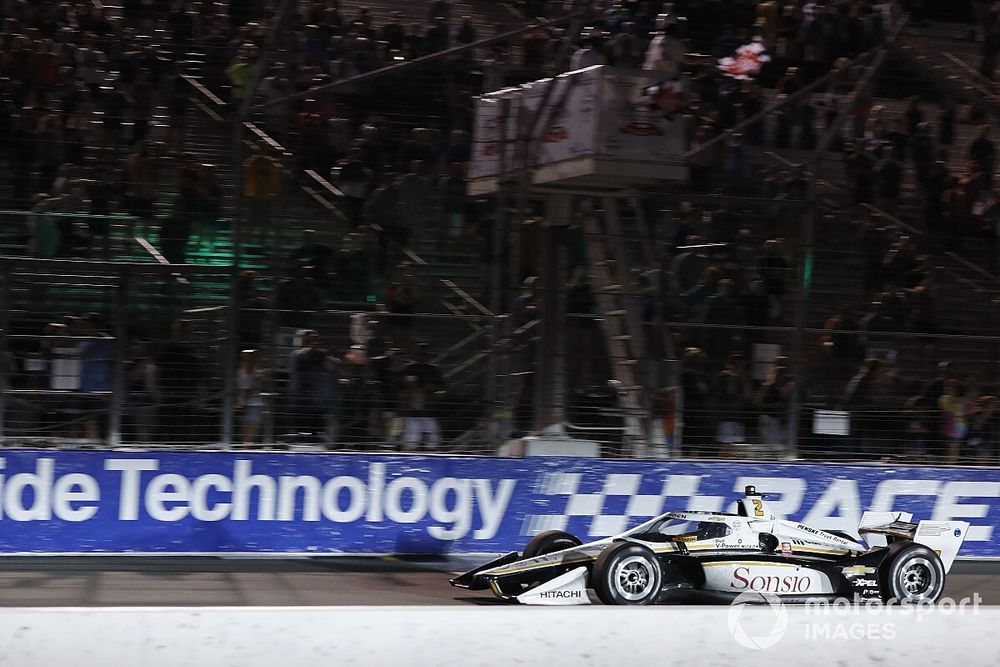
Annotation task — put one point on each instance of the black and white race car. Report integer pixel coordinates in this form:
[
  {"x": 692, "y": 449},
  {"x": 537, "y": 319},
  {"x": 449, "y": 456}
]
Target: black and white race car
[{"x": 715, "y": 556}]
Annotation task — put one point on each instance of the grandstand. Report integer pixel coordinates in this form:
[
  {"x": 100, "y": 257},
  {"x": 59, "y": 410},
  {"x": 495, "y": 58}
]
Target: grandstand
[{"x": 367, "y": 235}]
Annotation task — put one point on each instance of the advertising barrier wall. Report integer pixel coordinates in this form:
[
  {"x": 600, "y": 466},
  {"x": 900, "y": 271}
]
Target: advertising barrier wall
[{"x": 223, "y": 502}]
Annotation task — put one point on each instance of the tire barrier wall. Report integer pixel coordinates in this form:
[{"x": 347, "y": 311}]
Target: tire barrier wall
[{"x": 165, "y": 502}]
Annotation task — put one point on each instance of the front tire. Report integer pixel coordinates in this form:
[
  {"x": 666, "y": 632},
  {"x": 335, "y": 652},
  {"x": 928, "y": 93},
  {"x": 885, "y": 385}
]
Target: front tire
[
  {"x": 912, "y": 574},
  {"x": 549, "y": 542},
  {"x": 627, "y": 574}
]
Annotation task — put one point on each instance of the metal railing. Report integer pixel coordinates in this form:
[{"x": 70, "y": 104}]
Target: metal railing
[{"x": 112, "y": 354}]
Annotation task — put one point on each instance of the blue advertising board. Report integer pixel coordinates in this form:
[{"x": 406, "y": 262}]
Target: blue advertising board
[{"x": 217, "y": 502}]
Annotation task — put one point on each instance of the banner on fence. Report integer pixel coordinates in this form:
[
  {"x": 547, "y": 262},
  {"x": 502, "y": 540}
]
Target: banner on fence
[{"x": 214, "y": 502}]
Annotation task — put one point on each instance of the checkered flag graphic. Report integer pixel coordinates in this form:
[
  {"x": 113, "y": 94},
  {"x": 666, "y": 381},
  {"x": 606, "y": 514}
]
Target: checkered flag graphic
[{"x": 615, "y": 504}]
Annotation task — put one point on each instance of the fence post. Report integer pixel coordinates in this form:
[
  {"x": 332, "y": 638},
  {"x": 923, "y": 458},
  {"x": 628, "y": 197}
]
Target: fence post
[
  {"x": 801, "y": 308},
  {"x": 231, "y": 359},
  {"x": 120, "y": 333},
  {"x": 4, "y": 328},
  {"x": 492, "y": 413}
]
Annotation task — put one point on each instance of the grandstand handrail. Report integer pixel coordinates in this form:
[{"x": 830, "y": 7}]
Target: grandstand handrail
[
  {"x": 874, "y": 210},
  {"x": 333, "y": 190},
  {"x": 157, "y": 255},
  {"x": 794, "y": 97},
  {"x": 974, "y": 286},
  {"x": 973, "y": 266},
  {"x": 980, "y": 82},
  {"x": 409, "y": 252},
  {"x": 416, "y": 62},
  {"x": 682, "y": 324},
  {"x": 201, "y": 88},
  {"x": 89, "y": 265}
]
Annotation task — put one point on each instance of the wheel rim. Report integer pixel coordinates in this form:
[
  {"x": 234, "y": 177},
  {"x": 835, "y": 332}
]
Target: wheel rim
[
  {"x": 633, "y": 578},
  {"x": 918, "y": 579}
]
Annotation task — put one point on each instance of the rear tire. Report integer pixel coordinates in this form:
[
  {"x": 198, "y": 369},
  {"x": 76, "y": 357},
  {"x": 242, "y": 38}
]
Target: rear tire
[
  {"x": 549, "y": 542},
  {"x": 627, "y": 574},
  {"x": 911, "y": 574}
]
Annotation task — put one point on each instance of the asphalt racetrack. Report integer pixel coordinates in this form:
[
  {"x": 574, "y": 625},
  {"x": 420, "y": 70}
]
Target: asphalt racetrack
[{"x": 97, "y": 581}]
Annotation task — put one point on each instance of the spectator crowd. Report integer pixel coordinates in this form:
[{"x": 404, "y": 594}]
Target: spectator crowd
[{"x": 96, "y": 108}]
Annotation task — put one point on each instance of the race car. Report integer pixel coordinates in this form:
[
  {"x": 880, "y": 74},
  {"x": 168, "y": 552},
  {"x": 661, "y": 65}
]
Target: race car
[{"x": 717, "y": 556}]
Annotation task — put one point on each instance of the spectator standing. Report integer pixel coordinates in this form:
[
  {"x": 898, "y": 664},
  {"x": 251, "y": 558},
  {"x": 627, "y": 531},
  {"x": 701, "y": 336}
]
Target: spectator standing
[
  {"x": 176, "y": 101},
  {"x": 466, "y": 33},
  {"x": 101, "y": 193},
  {"x": 141, "y": 103},
  {"x": 983, "y": 155},
  {"x": 454, "y": 202},
  {"x": 594, "y": 53},
  {"x": 991, "y": 42},
  {"x": 857, "y": 400},
  {"x": 262, "y": 176},
  {"x": 416, "y": 198},
  {"x": 774, "y": 270},
  {"x": 665, "y": 52},
  {"x": 353, "y": 181},
  {"x": 240, "y": 72},
  {"x": 250, "y": 381},
  {"x": 890, "y": 180},
  {"x": 393, "y": 33},
  {"x": 946, "y": 123},
  {"x": 733, "y": 394},
  {"x": 96, "y": 355},
  {"x": 177, "y": 228},
  {"x": 773, "y": 400},
  {"x": 982, "y": 440},
  {"x": 114, "y": 105},
  {"x": 722, "y": 310},
  {"x": 313, "y": 391},
  {"x": 43, "y": 232},
  {"x": 143, "y": 393},
  {"x": 955, "y": 409},
  {"x": 423, "y": 383},
  {"x": 182, "y": 376},
  {"x": 382, "y": 211},
  {"x": 142, "y": 175},
  {"x": 696, "y": 385},
  {"x": 402, "y": 296}
]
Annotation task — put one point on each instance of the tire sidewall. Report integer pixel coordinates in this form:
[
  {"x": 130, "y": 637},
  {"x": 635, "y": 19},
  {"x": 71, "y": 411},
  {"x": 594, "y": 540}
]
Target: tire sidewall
[
  {"x": 892, "y": 583},
  {"x": 603, "y": 575},
  {"x": 549, "y": 542}
]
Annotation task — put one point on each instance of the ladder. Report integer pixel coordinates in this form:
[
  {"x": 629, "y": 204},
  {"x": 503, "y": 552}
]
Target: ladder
[{"x": 619, "y": 320}]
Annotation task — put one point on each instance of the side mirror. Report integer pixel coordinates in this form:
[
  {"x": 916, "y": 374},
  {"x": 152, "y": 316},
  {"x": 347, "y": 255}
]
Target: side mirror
[{"x": 768, "y": 542}]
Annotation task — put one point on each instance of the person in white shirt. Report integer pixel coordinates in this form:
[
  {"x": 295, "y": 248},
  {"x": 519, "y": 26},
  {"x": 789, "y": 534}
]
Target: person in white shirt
[
  {"x": 665, "y": 52},
  {"x": 592, "y": 54}
]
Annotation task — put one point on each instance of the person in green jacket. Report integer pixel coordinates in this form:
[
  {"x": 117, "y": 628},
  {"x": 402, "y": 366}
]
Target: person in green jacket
[{"x": 240, "y": 72}]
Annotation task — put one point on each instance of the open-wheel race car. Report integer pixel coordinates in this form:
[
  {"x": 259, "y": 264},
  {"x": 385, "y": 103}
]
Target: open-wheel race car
[{"x": 715, "y": 556}]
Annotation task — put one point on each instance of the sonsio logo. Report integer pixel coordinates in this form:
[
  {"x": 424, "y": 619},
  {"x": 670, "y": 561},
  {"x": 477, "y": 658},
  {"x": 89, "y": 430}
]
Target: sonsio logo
[
  {"x": 755, "y": 625},
  {"x": 745, "y": 580}
]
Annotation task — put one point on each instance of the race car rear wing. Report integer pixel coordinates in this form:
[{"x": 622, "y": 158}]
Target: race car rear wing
[
  {"x": 892, "y": 524},
  {"x": 944, "y": 537}
]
